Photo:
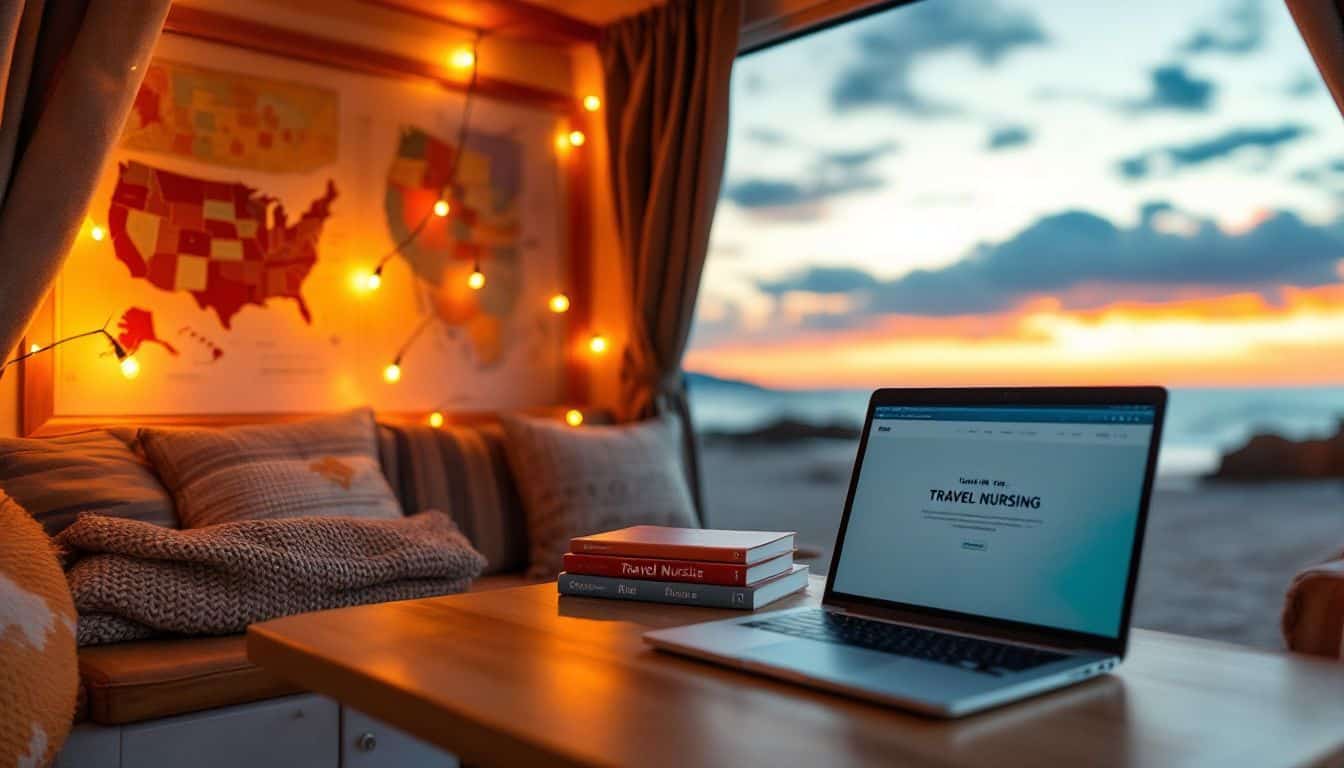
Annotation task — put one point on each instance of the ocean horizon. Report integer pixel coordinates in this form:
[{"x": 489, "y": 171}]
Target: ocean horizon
[{"x": 1202, "y": 423}]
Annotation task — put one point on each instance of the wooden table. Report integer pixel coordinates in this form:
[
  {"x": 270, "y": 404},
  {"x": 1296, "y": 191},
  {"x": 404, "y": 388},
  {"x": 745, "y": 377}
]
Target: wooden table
[{"x": 523, "y": 677}]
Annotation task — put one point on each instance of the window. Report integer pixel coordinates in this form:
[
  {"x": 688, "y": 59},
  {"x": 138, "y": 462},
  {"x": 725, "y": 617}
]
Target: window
[{"x": 962, "y": 192}]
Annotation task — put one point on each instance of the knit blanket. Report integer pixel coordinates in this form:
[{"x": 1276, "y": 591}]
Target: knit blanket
[{"x": 131, "y": 580}]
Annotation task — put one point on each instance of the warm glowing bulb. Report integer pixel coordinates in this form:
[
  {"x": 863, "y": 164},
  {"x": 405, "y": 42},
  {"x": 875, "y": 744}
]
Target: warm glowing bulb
[
  {"x": 373, "y": 281},
  {"x": 436, "y": 419},
  {"x": 476, "y": 281},
  {"x": 573, "y": 417},
  {"x": 576, "y": 138},
  {"x": 33, "y": 350},
  {"x": 592, "y": 103},
  {"x": 130, "y": 367},
  {"x": 392, "y": 373},
  {"x": 597, "y": 344},
  {"x": 441, "y": 208},
  {"x": 559, "y": 303},
  {"x": 463, "y": 58},
  {"x": 97, "y": 233}
]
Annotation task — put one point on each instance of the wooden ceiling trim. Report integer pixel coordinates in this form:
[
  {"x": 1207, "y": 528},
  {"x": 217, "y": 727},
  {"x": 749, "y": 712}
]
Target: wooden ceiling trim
[
  {"x": 280, "y": 41},
  {"x": 509, "y": 18}
]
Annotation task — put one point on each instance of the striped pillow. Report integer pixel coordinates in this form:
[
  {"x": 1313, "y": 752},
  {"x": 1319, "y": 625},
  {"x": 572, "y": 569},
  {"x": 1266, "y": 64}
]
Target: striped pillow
[
  {"x": 461, "y": 471},
  {"x": 56, "y": 478},
  {"x": 326, "y": 466}
]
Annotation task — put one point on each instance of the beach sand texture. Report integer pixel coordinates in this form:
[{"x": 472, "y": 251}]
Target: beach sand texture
[{"x": 1216, "y": 561}]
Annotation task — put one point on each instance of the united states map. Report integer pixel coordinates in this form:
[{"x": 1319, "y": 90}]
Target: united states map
[{"x": 221, "y": 242}]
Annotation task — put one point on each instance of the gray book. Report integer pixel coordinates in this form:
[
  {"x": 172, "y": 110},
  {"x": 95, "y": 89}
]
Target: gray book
[{"x": 747, "y": 598}]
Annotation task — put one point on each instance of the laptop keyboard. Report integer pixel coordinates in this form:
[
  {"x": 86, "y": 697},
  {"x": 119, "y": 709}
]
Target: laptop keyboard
[{"x": 976, "y": 655}]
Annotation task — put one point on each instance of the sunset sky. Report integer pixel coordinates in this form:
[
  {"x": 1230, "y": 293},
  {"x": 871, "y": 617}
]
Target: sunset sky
[{"x": 995, "y": 191}]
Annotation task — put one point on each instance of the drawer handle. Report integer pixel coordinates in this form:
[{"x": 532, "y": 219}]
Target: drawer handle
[{"x": 366, "y": 742}]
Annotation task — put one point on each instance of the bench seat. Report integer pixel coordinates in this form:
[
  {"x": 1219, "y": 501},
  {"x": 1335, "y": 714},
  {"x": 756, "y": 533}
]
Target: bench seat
[{"x": 149, "y": 679}]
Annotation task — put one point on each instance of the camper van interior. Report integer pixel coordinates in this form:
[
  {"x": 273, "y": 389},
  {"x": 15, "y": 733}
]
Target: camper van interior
[{"x": 427, "y": 383}]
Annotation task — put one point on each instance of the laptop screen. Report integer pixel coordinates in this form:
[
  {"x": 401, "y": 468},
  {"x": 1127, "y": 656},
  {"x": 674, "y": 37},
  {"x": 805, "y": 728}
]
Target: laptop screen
[{"x": 1024, "y": 513}]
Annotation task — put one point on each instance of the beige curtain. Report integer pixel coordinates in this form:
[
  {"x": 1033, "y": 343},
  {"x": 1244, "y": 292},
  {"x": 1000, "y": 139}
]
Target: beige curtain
[
  {"x": 1321, "y": 23},
  {"x": 71, "y": 69},
  {"x": 666, "y": 75}
]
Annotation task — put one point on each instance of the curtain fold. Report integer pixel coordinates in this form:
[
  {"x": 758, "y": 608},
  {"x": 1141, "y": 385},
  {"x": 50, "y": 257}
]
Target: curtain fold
[
  {"x": 71, "y": 72},
  {"x": 667, "y": 73},
  {"x": 1321, "y": 23}
]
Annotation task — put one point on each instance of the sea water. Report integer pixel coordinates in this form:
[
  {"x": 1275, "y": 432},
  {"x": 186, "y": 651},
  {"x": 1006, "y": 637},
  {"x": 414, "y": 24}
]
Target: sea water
[{"x": 1201, "y": 424}]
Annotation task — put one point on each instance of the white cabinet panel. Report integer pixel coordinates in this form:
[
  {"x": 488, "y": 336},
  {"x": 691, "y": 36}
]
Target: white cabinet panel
[
  {"x": 91, "y": 746},
  {"x": 370, "y": 743},
  {"x": 293, "y": 732}
]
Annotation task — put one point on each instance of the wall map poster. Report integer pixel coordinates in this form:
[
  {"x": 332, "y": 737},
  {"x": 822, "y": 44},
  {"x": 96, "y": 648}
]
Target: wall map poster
[{"x": 231, "y": 231}]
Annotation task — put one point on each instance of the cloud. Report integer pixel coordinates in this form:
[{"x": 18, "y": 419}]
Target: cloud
[
  {"x": 1084, "y": 260},
  {"x": 1175, "y": 88},
  {"x": 1177, "y": 156},
  {"x": 1007, "y": 137},
  {"x": 891, "y": 43},
  {"x": 767, "y": 136},
  {"x": 1239, "y": 30},
  {"x": 1327, "y": 172},
  {"x": 831, "y": 173},
  {"x": 822, "y": 280},
  {"x": 1304, "y": 85},
  {"x": 857, "y": 159}
]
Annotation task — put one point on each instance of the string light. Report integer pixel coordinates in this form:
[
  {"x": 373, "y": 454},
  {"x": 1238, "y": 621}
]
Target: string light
[
  {"x": 97, "y": 233},
  {"x": 559, "y": 303},
  {"x": 463, "y": 58},
  {"x": 597, "y": 344},
  {"x": 436, "y": 419},
  {"x": 592, "y": 103},
  {"x": 573, "y": 417},
  {"x": 392, "y": 373},
  {"x": 130, "y": 367},
  {"x": 576, "y": 138},
  {"x": 476, "y": 280}
]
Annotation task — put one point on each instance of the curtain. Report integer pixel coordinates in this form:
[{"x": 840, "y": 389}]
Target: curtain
[
  {"x": 666, "y": 74},
  {"x": 71, "y": 69},
  {"x": 1321, "y": 23}
]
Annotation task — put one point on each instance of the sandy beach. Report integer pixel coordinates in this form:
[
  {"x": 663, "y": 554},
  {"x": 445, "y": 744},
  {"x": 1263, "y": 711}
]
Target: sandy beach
[{"x": 1217, "y": 558}]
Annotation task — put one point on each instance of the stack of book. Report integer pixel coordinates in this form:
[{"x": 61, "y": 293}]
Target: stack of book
[{"x": 685, "y": 566}]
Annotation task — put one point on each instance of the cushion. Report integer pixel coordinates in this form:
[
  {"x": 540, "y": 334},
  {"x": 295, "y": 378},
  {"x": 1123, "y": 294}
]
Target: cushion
[
  {"x": 56, "y": 478},
  {"x": 577, "y": 481},
  {"x": 38, "y": 682},
  {"x": 326, "y": 466},
  {"x": 461, "y": 470}
]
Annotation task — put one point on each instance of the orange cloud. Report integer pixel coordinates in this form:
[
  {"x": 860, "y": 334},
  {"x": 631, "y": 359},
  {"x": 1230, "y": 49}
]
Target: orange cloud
[{"x": 1231, "y": 340}]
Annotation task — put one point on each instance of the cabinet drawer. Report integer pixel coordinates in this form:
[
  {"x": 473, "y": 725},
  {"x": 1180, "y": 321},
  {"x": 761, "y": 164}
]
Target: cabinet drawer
[
  {"x": 370, "y": 743},
  {"x": 294, "y": 732}
]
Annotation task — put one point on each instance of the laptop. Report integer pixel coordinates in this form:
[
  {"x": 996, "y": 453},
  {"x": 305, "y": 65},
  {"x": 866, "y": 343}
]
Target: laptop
[{"x": 988, "y": 552}]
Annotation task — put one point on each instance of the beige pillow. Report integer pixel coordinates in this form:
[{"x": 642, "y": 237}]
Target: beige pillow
[
  {"x": 325, "y": 467},
  {"x": 577, "y": 481},
  {"x": 56, "y": 478}
]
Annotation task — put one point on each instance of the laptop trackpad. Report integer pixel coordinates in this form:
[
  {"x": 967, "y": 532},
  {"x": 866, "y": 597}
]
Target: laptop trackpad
[{"x": 827, "y": 660}]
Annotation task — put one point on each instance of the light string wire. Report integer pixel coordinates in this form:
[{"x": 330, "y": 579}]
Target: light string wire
[
  {"x": 117, "y": 348},
  {"x": 446, "y": 191}
]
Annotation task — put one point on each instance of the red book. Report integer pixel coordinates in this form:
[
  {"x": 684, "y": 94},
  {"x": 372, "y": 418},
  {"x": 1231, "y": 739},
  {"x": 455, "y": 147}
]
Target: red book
[
  {"x": 703, "y": 544},
  {"x": 688, "y": 571}
]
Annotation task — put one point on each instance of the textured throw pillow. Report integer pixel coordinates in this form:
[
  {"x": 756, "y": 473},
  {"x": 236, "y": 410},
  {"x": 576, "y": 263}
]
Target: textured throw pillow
[
  {"x": 326, "y": 466},
  {"x": 574, "y": 482},
  {"x": 39, "y": 675},
  {"x": 56, "y": 478}
]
